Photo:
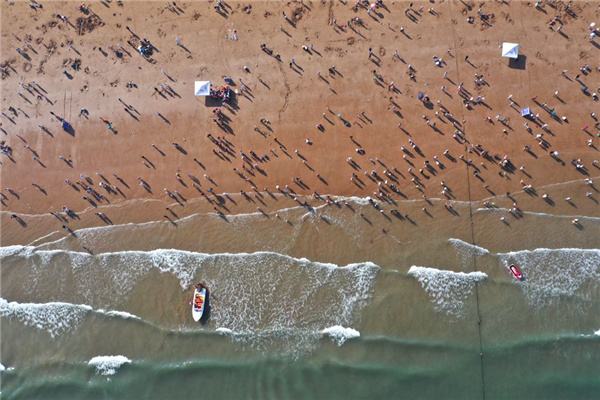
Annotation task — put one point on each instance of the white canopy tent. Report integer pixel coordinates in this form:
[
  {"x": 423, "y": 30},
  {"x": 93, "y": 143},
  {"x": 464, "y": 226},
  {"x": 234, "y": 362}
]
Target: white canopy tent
[
  {"x": 202, "y": 88},
  {"x": 510, "y": 50}
]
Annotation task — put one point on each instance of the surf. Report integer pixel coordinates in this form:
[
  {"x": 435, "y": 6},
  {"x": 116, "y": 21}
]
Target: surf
[{"x": 448, "y": 290}]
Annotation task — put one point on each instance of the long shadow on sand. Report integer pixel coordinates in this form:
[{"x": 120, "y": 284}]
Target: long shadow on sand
[{"x": 518, "y": 63}]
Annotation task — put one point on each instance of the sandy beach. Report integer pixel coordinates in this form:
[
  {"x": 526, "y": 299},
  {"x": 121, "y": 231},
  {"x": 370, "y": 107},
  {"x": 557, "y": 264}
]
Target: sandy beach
[
  {"x": 353, "y": 208},
  {"x": 293, "y": 100}
]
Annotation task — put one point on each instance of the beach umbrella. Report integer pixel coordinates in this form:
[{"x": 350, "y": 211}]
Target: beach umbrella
[
  {"x": 510, "y": 50},
  {"x": 202, "y": 88},
  {"x": 525, "y": 112},
  {"x": 65, "y": 125}
]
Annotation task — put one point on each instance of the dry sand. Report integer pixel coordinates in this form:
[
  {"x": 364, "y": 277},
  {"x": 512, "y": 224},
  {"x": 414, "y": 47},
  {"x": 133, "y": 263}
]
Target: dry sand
[{"x": 293, "y": 100}]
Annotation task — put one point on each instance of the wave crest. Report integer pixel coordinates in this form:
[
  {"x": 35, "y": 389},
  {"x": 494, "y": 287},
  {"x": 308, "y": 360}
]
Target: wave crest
[
  {"x": 54, "y": 318},
  {"x": 108, "y": 365},
  {"x": 339, "y": 334}
]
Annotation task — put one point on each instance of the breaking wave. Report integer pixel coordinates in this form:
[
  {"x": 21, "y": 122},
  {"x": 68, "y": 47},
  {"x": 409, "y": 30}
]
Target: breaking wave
[
  {"x": 554, "y": 273},
  {"x": 108, "y": 365},
  {"x": 264, "y": 299},
  {"x": 54, "y": 318},
  {"x": 448, "y": 290},
  {"x": 339, "y": 334}
]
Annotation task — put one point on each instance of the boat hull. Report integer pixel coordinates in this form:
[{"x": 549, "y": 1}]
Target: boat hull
[
  {"x": 516, "y": 273},
  {"x": 198, "y": 303}
]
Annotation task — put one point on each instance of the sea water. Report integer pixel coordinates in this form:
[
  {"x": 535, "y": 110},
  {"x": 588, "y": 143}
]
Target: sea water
[{"x": 327, "y": 307}]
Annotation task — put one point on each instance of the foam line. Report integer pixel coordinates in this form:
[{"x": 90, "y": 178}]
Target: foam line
[
  {"x": 476, "y": 250},
  {"x": 536, "y": 214},
  {"x": 55, "y": 318}
]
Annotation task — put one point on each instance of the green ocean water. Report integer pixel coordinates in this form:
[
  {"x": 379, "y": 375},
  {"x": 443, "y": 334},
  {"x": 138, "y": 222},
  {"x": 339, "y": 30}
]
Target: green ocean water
[{"x": 538, "y": 369}]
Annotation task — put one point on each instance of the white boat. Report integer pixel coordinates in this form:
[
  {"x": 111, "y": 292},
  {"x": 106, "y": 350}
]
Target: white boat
[{"x": 198, "y": 302}]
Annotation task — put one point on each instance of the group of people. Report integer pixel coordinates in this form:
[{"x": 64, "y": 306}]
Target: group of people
[{"x": 395, "y": 181}]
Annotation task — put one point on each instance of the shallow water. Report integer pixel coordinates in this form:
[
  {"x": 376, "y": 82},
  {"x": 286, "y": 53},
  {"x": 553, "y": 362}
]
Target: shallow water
[{"x": 326, "y": 306}]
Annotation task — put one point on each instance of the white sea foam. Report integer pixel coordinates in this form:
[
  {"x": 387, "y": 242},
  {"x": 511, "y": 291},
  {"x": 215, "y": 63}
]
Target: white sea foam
[
  {"x": 54, "y": 318},
  {"x": 125, "y": 267},
  {"x": 108, "y": 365},
  {"x": 597, "y": 333},
  {"x": 470, "y": 249},
  {"x": 538, "y": 214},
  {"x": 361, "y": 201},
  {"x": 268, "y": 297},
  {"x": 225, "y": 331},
  {"x": 466, "y": 251},
  {"x": 113, "y": 274},
  {"x": 553, "y": 273},
  {"x": 120, "y": 314},
  {"x": 3, "y": 369},
  {"x": 262, "y": 294},
  {"x": 448, "y": 290},
  {"x": 9, "y": 251},
  {"x": 339, "y": 334},
  {"x": 549, "y": 273}
]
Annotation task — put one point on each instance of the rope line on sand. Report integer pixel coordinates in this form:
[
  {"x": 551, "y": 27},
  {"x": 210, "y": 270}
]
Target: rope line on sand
[{"x": 470, "y": 212}]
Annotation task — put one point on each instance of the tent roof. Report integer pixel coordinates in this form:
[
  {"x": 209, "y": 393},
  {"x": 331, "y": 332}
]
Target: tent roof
[
  {"x": 510, "y": 50},
  {"x": 202, "y": 88}
]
